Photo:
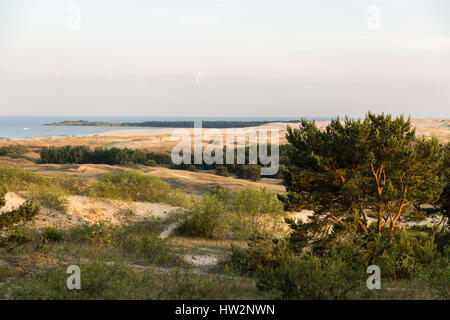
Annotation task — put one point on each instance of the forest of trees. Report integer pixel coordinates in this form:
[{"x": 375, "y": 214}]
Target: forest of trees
[
  {"x": 169, "y": 124},
  {"x": 126, "y": 156},
  {"x": 205, "y": 124},
  {"x": 112, "y": 156}
]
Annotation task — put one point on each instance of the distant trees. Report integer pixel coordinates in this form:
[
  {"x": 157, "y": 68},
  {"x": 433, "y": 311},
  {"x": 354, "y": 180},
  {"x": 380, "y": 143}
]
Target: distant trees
[
  {"x": 192, "y": 168},
  {"x": 112, "y": 156},
  {"x": 126, "y": 156},
  {"x": 205, "y": 124},
  {"x": 359, "y": 171}
]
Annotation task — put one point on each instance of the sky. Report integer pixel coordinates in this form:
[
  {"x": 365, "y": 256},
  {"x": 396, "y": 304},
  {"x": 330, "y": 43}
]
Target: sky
[{"x": 287, "y": 58}]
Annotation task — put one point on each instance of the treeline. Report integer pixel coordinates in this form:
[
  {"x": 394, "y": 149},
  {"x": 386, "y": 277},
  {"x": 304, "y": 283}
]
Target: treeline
[
  {"x": 205, "y": 124},
  {"x": 125, "y": 156},
  {"x": 112, "y": 156}
]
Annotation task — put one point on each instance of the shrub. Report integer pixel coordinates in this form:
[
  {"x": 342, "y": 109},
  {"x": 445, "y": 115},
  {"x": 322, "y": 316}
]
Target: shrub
[
  {"x": 130, "y": 186},
  {"x": 313, "y": 277},
  {"x": 222, "y": 171},
  {"x": 250, "y": 172},
  {"x": 257, "y": 211},
  {"x": 17, "y": 236},
  {"x": 192, "y": 168},
  {"x": 13, "y": 150},
  {"x": 220, "y": 215},
  {"x": 405, "y": 254},
  {"x": 25, "y": 212},
  {"x": 179, "y": 199},
  {"x": 220, "y": 193},
  {"x": 51, "y": 234}
]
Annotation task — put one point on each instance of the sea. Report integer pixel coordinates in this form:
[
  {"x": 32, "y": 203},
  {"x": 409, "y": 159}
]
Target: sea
[{"x": 34, "y": 126}]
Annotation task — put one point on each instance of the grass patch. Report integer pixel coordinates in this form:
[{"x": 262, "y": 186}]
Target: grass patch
[
  {"x": 118, "y": 281},
  {"x": 133, "y": 185}
]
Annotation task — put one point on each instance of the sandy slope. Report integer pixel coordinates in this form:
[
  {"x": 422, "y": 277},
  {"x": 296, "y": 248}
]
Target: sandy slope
[{"x": 93, "y": 210}]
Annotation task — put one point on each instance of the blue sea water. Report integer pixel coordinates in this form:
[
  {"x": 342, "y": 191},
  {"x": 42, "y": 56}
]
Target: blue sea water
[{"x": 33, "y": 126}]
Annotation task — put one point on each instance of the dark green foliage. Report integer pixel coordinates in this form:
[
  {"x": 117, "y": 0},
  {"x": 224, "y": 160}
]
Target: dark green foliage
[
  {"x": 358, "y": 169},
  {"x": 333, "y": 276},
  {"x": 220, "y": 193},
  {"x": 51, "y": 234},
  {"x": 151, "y": 163},
  {"x": 222, "y": 171},
  {"x": 25, "y": 212},
  {"x": 112, "y": 156},
  {"x": 251, "y": 172},
  {"x": 221, "y": 215}
]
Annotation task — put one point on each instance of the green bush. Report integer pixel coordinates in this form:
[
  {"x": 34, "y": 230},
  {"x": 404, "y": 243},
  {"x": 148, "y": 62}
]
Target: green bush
[
  {"x": 25, "y": 212},
  {"x": 192, "y": 168},
  {"x": 17, "y": 236},
  {"x": 220, "y": 193},
  {"x": 250, "y": 172},
  {"x": 257, "y": 211},
  {"x": 16, "y": 179},
  {"x": 13, "y": 150},
  {"x": 151, "y": 163},
  {"x": 51, "y": 234},
  {"x": 406, "y": 254},
  {"x": 2, "y": 196},
  {"x": 219, "y": 215},
  {"x": 208, "y": 219},
  {"x": 313, "y": 277}
]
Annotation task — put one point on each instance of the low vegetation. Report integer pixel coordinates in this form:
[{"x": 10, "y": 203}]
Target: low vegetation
[
  {"x": 221, "y": 215},
  {"x": 111, "y": 156},
  {"x": 132, "y": 185}
]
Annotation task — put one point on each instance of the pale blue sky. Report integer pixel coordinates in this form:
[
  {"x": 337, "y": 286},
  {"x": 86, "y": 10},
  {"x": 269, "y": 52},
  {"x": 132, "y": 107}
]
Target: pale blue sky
[{"x": 225, "y": 58}]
